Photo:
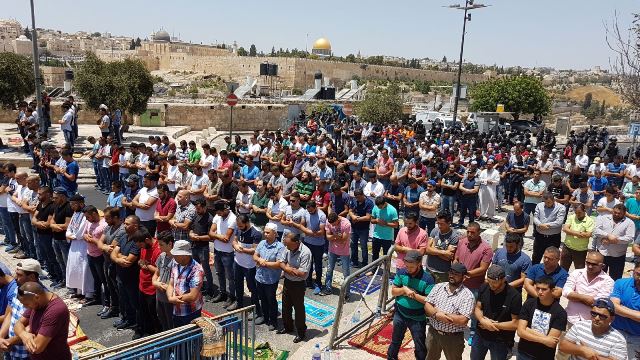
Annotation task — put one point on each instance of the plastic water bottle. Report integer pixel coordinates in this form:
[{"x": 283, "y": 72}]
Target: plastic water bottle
[
  {"x": 316, "y": 354},
  {"x": 76, "y": 356},
  {"x": 356, "y": 317},
  {"x": 326, "y": 355}
]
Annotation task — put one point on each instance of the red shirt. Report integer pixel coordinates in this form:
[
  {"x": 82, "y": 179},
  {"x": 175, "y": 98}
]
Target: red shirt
[
  {"x": 163, "y": 210},
  {"x": 471, "y": 258},
  {"x": 115, "y": 157},
  {"x": 52, "y": 322},
  {"x": 150, "y": 256},
  {"x": 321, "y": 200}
]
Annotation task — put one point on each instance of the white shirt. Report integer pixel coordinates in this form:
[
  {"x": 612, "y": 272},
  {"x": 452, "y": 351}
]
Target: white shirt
[
  {"x": 373, "y": 190},
  {"x": 144, "y": 160},
  {"x": 601, "y": 167},
  {"x": 12, "y": 206},
  {"x": 222, "y": 225},
  {"x": 196, "y": 183},
  {"x": 207, "y": 164},
  {"x": 172, "y": 172},
  {"x": 276, "y": 209},
  {"x": 106, "y": 152},
  {"x": 244, "y": 199},
  {"x": 255, "y": 148},
  {"x": 122, "y": 160},
  {"x": 582, "y": 161},
  {"x": 145, "y": 194},
  {"x": 21, "y": 193}
]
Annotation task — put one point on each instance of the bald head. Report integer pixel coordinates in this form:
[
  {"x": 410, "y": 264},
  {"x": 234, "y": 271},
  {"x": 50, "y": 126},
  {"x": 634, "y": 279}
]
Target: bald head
[
  {"x": 31, "y": 287},
  {"x": 183, "y": 197}
]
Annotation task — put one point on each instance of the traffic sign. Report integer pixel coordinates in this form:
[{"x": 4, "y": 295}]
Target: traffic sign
[
  {"x": 347, "y": 109},
  {"x": 232, "y": 99},
  {"x": 634, "y": 129}
]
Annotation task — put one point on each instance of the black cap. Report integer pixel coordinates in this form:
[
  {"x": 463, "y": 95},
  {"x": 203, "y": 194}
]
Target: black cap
[
  {"x": 495, "y": 272},
  {"x": 77, "y": 197},
  {"x": 60, "y": 190},
  {"x": 413, "y": 256},
  {"x": 459, "y": 268}
]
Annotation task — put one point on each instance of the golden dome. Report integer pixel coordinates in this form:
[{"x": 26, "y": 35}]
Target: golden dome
[{"x": 322, "y": 44}]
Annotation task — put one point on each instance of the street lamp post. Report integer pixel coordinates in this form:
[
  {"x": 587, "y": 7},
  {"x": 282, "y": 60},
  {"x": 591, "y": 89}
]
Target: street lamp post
[
  {"x": 469, "y": 5},
  {"x": 36, "y": 68}
]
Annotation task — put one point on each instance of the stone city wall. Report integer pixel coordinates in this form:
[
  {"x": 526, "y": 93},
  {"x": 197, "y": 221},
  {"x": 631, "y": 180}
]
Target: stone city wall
[{"x": 245, "y": 117}]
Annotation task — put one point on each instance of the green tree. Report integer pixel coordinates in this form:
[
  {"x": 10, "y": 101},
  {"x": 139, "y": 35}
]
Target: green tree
[
  {"x": 588, "y": 97},
  {"x": 520, "y": 95},
  {"x": 421, "y": 86},
  {"x": 138, "y": 42},
  {"x": 593, "y": 111},
  {"x": 16, "y": 78},
  {"x": 132, "y": 45},
  {"x": 273, "y": 51},
  {"x": 381, "y": 106},
  {"x": 96, "y": 34},
  {"x": 350, "y": 58},
  {"x": 444, "y": 59},
  {"x": 242, "y": 52},
  {"x": 252, "y": 50},
  {"x": 127, "y": 84},
  {"x": 27, "y": 33}
]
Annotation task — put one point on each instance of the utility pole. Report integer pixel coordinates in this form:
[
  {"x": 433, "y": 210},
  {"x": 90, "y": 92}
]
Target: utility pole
[{"x": 36, "y": 68}]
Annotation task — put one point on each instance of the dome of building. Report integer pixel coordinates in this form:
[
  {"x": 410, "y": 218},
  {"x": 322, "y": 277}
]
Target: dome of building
[
  {"x": 23, "y": 38},
  {"x": 322, "y": 44},
  {"x": 161, "y": 36}
]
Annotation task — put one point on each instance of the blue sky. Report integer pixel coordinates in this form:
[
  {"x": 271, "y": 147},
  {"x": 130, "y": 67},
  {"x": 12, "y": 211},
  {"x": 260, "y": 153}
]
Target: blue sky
[{"x": 558, "y": 33}]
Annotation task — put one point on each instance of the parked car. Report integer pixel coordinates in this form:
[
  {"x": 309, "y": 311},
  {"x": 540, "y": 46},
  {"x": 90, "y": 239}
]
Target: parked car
[{"x": 524, "y": 125}]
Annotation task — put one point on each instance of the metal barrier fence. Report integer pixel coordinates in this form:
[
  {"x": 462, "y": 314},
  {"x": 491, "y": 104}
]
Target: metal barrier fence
[
  {"x": 186, "y": 342},
  {"x": 383, "y": 299}
]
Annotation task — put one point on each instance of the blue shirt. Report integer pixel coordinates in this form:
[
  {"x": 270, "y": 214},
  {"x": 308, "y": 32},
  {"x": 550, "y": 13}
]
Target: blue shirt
[
  {"x": 310, "y": 149},
  {"x": 250, "y": 173},
  {"x": 629, "y": 295},
  {"x": 271, "y": 253},
  {"x": 598, "y": 184},
  {"x": 513, "y": 264},
  {"x": 616, "y": 169},
  {"x": 6, "y": 294},
  {"x": 72, "y": 169},
  {"x": 325, "y": 174},
  {"x": 361, "y": 209},
  {"x": 338, "y": 203},
  {"x": 559, "y": 276},
  {"x": 313, "y": 222},
  {"x": 387, "y": 214}
]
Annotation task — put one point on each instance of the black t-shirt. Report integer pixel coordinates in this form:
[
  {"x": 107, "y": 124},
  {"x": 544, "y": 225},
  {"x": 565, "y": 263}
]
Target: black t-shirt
[
  {"x": 575, "y": 180},
  {"x": 44, "y": 211},
  {"x": 542, "y": 319},
  {"x": 395, "y": 190},
  {"x": 559, "y": 192},
  {"x": 60, "y": 214},
  {"x": 128, "y": 247},
  {"x": 449, "y": 179},
  {"x": 499, "y": 307},
  {"x": 201, "y": 226}
]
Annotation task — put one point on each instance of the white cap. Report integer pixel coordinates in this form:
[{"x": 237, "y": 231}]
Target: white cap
[{"x": 181, "y": 247}]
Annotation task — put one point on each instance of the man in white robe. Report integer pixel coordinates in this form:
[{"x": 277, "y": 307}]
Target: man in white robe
[
  {"x": 79, "y": 276},
  {"x": 489, "y": 180}
]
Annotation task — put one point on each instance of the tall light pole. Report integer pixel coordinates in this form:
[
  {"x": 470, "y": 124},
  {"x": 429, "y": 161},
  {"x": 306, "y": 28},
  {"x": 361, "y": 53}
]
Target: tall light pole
[
  {"x": 468, "y": 5},
  {"x": 36, "y": 68}
]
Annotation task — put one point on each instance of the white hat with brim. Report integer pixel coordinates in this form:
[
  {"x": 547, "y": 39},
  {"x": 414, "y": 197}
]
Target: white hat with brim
[{"x": 181, "y": 247}]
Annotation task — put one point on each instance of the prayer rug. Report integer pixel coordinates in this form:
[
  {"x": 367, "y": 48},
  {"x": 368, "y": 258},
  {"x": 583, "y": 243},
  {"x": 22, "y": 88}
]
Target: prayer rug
[{"x": 376, "y": 340}]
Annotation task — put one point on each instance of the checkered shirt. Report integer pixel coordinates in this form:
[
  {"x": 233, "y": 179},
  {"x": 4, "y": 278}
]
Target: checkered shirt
[
  {"x": 184, "y": 279},
  {"x": 183, "y": 213},
  {"x": 460, "y": 302},
  {"x": 17, "y": 309}
]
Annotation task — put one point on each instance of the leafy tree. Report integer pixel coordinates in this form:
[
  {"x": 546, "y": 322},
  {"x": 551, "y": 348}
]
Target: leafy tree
[
  {"x": 520, "y": 95},
  {"x": 603, "y": 108},
  {"x": 96, "y": 34},
  {"x": 619, "y": 113},
  {"x": 593, "y": 111},
  {"x": 27, "y": 33},
  {"x": 273, "y": 51},
  {"x": 350, "y": 58},
  {"x": 588, "y": 97},
  {"x": 127, "y": 84},
  {"x": 16, "y": 78},
  {"x": 444, "y": 59},
  {"x": 252, "y": 50},
  {"x": 132, "y": 46},
  {"x": 381, "y": 106},
  {"x": 421, "y": 86},
  {"x": 138, "y": 42},
  {"x": 242, "y": 52}
]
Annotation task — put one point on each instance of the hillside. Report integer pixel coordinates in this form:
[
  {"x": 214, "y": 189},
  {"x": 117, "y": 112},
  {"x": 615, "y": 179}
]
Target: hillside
[{"x": 599, "y": 93}]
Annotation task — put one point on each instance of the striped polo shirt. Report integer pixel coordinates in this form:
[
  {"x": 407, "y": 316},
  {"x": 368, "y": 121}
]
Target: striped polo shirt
[
  {"x": 421, "y": 283},
  {"x": 611, "y": 344}
]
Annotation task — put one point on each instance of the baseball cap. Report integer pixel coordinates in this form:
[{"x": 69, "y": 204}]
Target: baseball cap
[
  {"x": 133, "y": 177},
  {"x": 459, "y": 268},
  {"x": 181, "y": 247},
  {"x": 495, "y": 272},
  {"x": 369, "y": 152},
  {"x": 431, "y": 182},
  {"x": 605, "y": 303},
  {"x": 413, "y": 256},
  {"x": 60, "y": 190},
  {"x": 30, "y": 265}
]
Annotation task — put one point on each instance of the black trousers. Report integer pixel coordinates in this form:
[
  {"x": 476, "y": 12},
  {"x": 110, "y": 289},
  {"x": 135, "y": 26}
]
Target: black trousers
[
  {"x": 150, "y": 324},
  {"x": 316, "y": 265},
  {"x": 268, "y": 303},
  {"x": 541, "y": 242},
  {"x": 293, "y": 299},
  {"x": 112, "y": 284},
  {"x": 100, "y": 290}
]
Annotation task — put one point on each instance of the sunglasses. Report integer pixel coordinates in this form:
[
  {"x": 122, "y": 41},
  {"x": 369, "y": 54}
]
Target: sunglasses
[
  {"x": 592, "y": 263},
  {"x": 598, "y": 315}
]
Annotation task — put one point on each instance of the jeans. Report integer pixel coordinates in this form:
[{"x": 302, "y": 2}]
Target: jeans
[
  {"x": 45, "y": 243},
  {"x": 529, "y": 208},
  {"x": 361, "y": 237},
  {"x": 7, "y": 226},
  {"x": 200, "y": 253},
  {"x": 61, "y": 249},
  {"x": 223, "y": 262},
  {"x": 116, "y": 134},
  {"x": 149, "y": 324},
  {"x": 378, "y": 244},
  {"x": 26, "y": 229},
  {"x": 112, "y": 284},
  {"x": 68, "y": 138},
  {"x": 96, "y": 170},
  {"x": 497, "y": 349},
  {"x": 418, "y": 331},
  {"x": 500, "y": 193},
  {"x": 448, "y": 202},
  {"x": 468, "y": 207},
  {"x": 240, "y": 274},
  {"x": 346, "y": 268},
  {"x": 105, "y": 177},
  {"x": 100, "y": 291},
  {"x": 268, "y": 303},
  {"x": 427, "y": 224},
  {"x": 316, "y": 264},
  {"x": 185, "y": 320},
  {"x": 615, "y": 265},
  {"x": 15, "y": 220},
  {"x": 516, "y": 191}
]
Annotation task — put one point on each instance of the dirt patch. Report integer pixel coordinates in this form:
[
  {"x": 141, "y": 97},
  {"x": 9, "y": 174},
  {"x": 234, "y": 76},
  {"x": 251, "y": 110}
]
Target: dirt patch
[{"x": 599, "y": 93}]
